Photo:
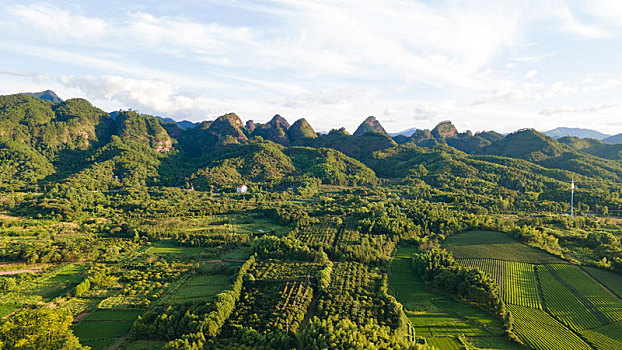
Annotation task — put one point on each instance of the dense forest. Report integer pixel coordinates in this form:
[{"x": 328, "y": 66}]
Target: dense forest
[{"x": 125, "y": 230}]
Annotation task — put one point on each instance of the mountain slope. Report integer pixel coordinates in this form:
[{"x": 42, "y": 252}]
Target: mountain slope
[
  {"x": 594, "y": 147},
  {"x": 370, "y": 125},
  {"x": 48, "y": 95},
  {"x": 615, "y": 139},
  {"x": 300, "y": 130}
]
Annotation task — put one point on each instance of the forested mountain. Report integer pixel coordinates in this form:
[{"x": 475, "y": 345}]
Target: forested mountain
[{"x": 72, "y": 142}]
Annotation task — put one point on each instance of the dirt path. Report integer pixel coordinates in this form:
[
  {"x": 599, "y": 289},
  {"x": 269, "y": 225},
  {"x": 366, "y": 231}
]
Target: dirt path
[
  {"x": 16, "y": 272},
  {"x": 309, "y": 313},
  {"x": 81, "y": 316},
  {"x": 11, "y": 314},
  {"x": 220, "y": 261}
]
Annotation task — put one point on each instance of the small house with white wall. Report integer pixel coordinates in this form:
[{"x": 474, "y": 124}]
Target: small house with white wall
[{"x": 242, "y": 189}]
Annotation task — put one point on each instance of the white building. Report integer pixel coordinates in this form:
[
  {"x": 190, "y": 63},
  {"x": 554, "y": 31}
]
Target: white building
[{"x": 242, "y": 189}]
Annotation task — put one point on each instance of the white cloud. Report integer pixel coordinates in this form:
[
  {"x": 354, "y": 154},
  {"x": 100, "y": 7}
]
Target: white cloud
[
  {"x": 34, "y": 76},
  {"x": 566, "y": 109},
  {"x": 517, "y": 92},
  {"x": 58, "y": 26},
  {"x": 446, "y": 44},
  {"x": 610, "y": 10},
  {"x": 432, "y": 112},
  {"x": 571, "y": 25},
  {"x": 534, "y": 58},
  {"x": 605, "y": 85},
  {"x": 155, "y": 95},
  {"x": 531, "y": 73}
]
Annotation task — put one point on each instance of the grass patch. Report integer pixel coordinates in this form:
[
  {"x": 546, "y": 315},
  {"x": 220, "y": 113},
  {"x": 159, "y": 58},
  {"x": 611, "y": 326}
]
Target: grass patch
[
  {"x": 260, "y": 226},
  {"x": 495, "y": 343},
  {"x": 495, "y": 245}
]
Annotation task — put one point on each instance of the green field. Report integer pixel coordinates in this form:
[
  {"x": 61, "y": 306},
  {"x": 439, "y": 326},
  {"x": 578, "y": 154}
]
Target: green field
[
  {"x": 197, "y": 288},
  {"x": 448, "y": 343},
  {"x": 495, "y": 245},
  {"x": 102, "y": 327},
  {"x": 566, "y": 305},
  {"x": 142, "y": 345},
  {"x": 113, "y": 315},
  {"x": 171, "y": 248},
  {"x": 101, "y": 334},
  {"x": 437, "y": 317}
]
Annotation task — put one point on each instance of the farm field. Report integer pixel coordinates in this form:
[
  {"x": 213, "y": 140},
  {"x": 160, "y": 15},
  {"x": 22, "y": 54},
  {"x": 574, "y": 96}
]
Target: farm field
[
  {"x": 102, "y": 327},
  {"x": 42, "y": 287},
  {"x": 541, "y": 331},
  {"x": 517, "y": 280},
  {"x": 611, "y": 280},
  {"x": 439, "y": 318},
  {"x": 172, "y": 248},
  {"x": 495, "y": 245},
  {"x": 558, "y": 298}
]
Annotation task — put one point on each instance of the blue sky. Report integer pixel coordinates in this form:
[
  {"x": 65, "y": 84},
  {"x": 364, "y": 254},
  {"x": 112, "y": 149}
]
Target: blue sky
[{"x": 485, "y": 65}]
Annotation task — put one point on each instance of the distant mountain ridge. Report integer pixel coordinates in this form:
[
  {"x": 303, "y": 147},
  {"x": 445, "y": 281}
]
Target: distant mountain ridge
[
  {"x": 408, "y": 132},
  {"x": 576, "y": 132}
]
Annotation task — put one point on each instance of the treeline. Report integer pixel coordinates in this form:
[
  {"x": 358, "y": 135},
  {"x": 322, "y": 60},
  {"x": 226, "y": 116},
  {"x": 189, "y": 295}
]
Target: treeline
[{"x": 341, "y": 333}]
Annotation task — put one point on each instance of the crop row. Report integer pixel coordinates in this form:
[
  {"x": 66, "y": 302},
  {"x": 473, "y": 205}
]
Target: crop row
[
  {"x": 516, "y": 280},
  {"x": 562, "y": 303},
  {"x": 542, "y": 332},
  {"x": 494, "y": 268},
  {"x": 522, "y": 285},
  {"x": 594, "y": 294}
]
